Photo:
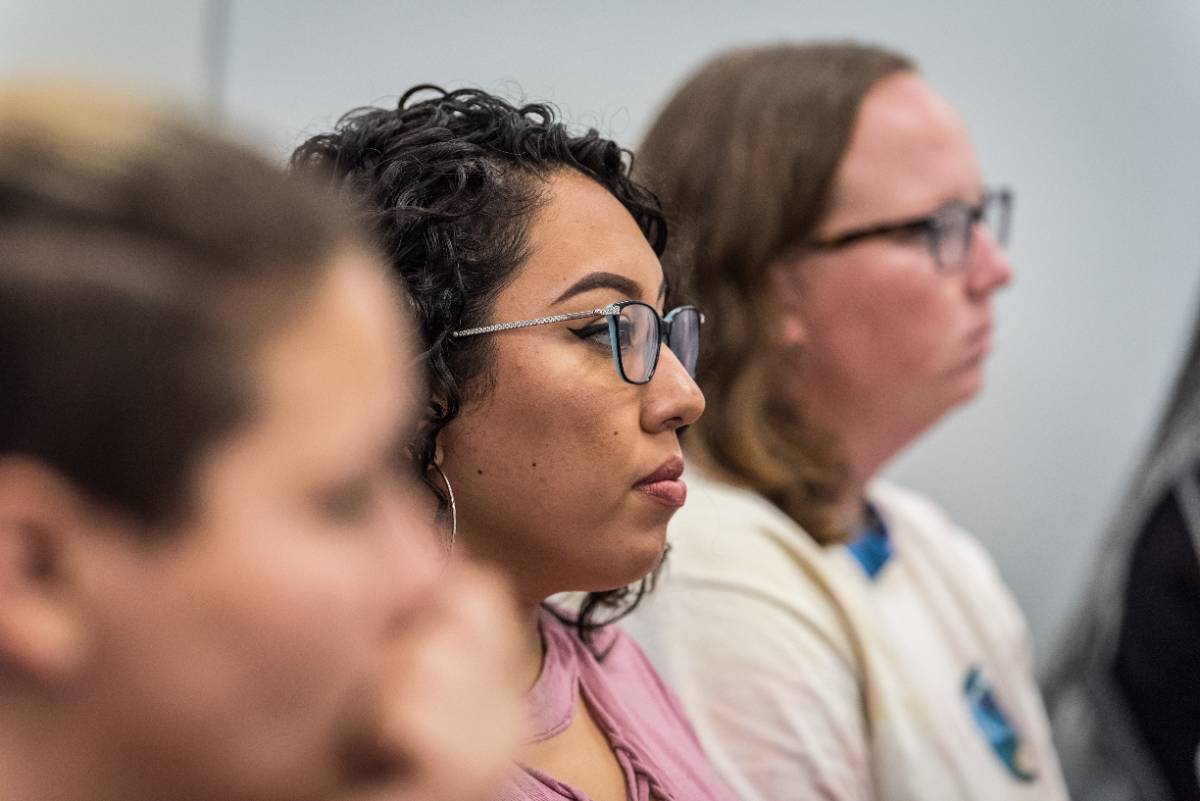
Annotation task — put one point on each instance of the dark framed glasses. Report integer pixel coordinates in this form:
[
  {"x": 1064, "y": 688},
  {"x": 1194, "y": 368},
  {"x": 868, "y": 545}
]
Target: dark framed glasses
[
  {"x": 947, "y": 230},
  {"x": 635, "y": 332}
]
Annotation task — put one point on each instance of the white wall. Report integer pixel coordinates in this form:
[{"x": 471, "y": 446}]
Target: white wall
[
  {"x": 157, "y": 45},
  {"x": 1092, "y": 113}
]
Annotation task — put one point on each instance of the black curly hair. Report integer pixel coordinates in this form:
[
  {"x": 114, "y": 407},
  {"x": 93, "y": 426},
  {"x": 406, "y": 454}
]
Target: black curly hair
[{"x": 449, "y": 181}]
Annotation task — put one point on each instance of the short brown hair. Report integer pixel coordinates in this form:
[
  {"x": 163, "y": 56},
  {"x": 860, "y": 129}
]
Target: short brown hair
[
  {"x": 744, "y": 157},
  {"x": 142, "y": 259}
]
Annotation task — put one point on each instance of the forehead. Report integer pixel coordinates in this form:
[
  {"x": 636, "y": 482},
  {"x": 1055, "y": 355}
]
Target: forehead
[
  {"x": 910, "y": 152},
  {"x": 580, "y": 229},
  {"x": 339, "y": 381}
]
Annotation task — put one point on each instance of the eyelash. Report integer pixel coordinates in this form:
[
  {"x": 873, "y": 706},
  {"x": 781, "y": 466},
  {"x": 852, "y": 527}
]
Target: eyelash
[{"x": 592, "y": 333}]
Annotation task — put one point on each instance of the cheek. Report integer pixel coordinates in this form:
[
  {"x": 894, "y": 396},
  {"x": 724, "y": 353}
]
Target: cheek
[
  {"x": 303, "y": 616},
  {"x": 255, "y": 650},
  {"x": 546, "y": 466},
  {"x": 540, "y": 428},
  {"x": 287, "y": 570},
  {"x": 888, "y": 317},
  {"x": 919, "y": 327},
  {"x": 555, "y": 435}
]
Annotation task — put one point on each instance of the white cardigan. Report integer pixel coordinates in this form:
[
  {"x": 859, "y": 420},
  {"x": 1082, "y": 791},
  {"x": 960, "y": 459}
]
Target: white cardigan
[{"x": 807, "y": 679}]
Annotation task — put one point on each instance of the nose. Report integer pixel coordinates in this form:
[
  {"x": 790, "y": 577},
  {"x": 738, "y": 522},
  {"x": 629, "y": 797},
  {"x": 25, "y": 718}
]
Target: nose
[
  {"x": 672, "y": 398},
  {"x": 989, "y": 268}
]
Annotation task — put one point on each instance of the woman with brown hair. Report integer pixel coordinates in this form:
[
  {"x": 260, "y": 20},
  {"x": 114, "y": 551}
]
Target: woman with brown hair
[{"x": 834, "y": 636}]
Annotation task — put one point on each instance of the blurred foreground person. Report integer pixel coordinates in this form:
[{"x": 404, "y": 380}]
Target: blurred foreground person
[
  {"x": 216, "y": 580},
  {"x": 561, "y": 378},
  {"x": 1124, "y": 694},
  {"x": 834, "y": 636}
]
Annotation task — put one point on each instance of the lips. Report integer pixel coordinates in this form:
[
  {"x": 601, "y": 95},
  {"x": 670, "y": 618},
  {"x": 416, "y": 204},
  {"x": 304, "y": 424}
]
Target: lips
[
  {"x": 979, "y": 343},
  {"x": 664, "y": 485}
]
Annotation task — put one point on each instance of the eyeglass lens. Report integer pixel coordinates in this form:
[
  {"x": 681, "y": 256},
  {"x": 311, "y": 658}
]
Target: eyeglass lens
[
  {"x": 954, "y": 228},
  {"x": 684, "y": 338},
  {"x": 639, "y": 339}
]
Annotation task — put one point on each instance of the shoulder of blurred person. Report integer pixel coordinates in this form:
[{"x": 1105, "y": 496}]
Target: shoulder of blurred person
[
  {"x": 776, "y": 646},
  {"x": 922, "y": 531}
]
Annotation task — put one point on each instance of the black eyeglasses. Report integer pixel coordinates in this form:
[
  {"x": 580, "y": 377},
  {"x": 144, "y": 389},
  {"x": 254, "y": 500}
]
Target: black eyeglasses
[
  {"x": 635, "y": 332},
  {"x": 947, "y": 230}
]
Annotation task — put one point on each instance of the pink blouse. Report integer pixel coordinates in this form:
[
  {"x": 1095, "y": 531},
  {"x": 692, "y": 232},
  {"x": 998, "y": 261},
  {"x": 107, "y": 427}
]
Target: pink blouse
[{"x": 651, "y": 737}]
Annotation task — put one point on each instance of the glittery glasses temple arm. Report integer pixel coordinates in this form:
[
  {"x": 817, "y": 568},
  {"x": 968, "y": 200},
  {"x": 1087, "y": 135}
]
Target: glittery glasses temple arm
[{"x": 554, "y": 318}]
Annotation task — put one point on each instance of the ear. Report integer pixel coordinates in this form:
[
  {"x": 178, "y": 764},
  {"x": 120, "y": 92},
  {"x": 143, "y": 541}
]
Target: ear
[
  {"x": 785, "y": 287},
  {"x": 41, "y": 628}
]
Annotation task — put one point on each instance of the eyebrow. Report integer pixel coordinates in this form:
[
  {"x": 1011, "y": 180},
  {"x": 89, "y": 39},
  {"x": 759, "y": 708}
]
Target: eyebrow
[{"x": 605, "y": 280}]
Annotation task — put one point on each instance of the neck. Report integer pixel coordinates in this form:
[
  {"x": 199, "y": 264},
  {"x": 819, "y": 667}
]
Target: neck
[
  {"x": 531, "y": 649},
  {"x": 865, "y": 443},
  {"x": 864, "y": 458}
]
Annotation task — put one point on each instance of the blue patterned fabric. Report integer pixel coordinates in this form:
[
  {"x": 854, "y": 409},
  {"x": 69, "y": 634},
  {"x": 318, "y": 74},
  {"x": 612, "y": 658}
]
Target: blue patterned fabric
[
  {"x": 872, "y": 547},
  {"x": 994, "y": 724}
]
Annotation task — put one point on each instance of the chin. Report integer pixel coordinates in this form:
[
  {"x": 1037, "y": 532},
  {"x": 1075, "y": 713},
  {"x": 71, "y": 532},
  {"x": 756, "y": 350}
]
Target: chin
[
  {"x": 966, "y": 385},
  {"x": 972, "y": 384},
  {"x": 639, "y": 556}
]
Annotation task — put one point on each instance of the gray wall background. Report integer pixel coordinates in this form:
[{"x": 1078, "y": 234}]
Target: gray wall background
[{"x": 1090, "y": 110}]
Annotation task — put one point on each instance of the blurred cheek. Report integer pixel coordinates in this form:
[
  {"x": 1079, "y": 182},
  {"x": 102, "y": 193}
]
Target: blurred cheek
[
  {"x": 311, "y": 596},
  {"x": 913, "y": 321},
  {"x": 256, "y": 643},
  {"x": 407, "y": 531}
]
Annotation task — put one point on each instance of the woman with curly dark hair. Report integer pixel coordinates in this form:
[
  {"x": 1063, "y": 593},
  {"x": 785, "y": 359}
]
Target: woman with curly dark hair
[{"x": 552, "y": 434}]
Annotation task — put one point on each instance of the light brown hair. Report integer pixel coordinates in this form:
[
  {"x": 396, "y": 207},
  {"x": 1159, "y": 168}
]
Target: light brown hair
[
  {"x": 744, "y": 157},
  {"x": 143, "y": 258}
]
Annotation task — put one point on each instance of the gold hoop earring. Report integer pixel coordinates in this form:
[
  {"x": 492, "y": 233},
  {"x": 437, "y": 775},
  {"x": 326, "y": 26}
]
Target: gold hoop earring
[{"x": 453, "y": 507}]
